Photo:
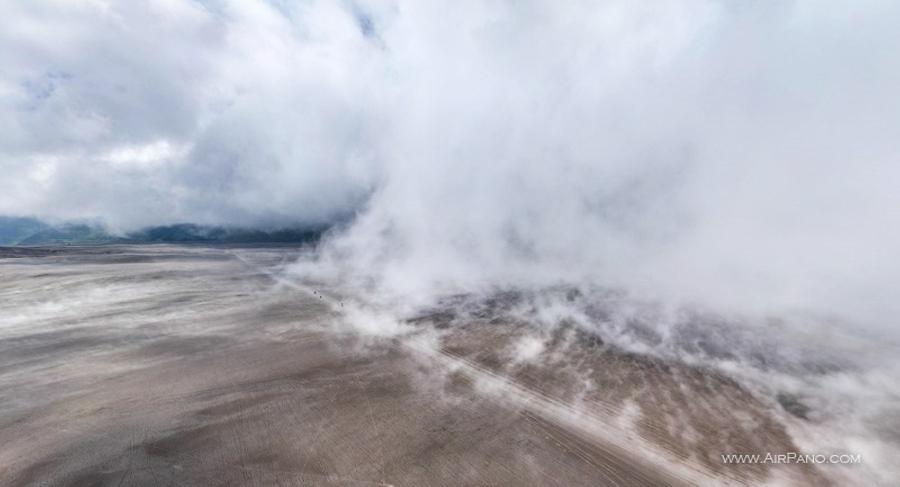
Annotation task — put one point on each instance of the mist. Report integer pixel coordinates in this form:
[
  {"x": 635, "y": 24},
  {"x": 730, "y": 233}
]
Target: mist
[
  {"x": 741, "y": 158},
  {"x": 735, "y": 156},
  {"x": 558, "y": 187}
]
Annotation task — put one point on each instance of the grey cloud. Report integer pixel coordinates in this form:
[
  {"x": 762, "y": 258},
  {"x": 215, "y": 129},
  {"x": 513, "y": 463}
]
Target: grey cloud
[
  {"x": 253, "y": 126},
  {"x": 738, "y": 154}
]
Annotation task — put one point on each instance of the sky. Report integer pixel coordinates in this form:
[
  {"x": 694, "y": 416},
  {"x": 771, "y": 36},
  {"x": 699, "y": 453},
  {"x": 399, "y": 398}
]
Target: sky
[{"x": 740, "y": 154}]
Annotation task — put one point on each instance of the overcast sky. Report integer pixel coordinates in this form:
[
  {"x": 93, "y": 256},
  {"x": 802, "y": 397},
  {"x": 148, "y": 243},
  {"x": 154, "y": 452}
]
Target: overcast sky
[{"x": 747, "y": 150}]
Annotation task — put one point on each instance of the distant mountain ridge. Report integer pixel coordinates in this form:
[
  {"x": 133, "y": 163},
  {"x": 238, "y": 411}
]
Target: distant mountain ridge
[
  {"x": 13, "y": 230},
  {"x": 189, "y": 232},
  {"x": 30, "y": 231}
]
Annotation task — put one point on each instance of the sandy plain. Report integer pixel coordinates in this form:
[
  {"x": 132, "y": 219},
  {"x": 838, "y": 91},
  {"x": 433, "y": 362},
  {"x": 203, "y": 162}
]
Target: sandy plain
[{"x": 168, "y": 365}]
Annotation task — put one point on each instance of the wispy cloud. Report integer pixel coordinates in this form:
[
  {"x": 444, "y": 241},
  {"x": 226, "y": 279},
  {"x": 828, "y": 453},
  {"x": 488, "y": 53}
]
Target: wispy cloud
[{"x": 742, "y": 154}]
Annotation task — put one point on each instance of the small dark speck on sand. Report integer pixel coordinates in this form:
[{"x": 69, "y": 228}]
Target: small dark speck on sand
[{"x": 792, "y": 404}]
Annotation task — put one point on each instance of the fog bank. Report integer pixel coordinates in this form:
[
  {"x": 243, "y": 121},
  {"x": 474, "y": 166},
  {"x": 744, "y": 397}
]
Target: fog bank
[{"x": 742, "y": 157}]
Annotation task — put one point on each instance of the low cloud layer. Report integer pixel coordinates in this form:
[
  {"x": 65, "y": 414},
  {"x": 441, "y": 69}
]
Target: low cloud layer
[
  {"x": 154, "y": 112},
  {"x": 738, "y": 155}
]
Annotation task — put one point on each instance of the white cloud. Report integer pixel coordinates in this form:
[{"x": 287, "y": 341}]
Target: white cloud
[
  {"x": 737, "y": 153},
  {"x": 145, "y": 156}
]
